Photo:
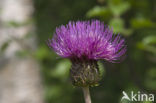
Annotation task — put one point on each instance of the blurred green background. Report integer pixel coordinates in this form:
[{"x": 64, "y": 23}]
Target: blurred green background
[{"x": 134, "y": 19}]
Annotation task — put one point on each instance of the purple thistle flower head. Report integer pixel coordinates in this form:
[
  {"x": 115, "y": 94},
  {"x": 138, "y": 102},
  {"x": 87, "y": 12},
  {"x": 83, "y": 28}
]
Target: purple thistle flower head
[
  {"x": 91, "y": 40},
  {"x": 85, "y": 42}
]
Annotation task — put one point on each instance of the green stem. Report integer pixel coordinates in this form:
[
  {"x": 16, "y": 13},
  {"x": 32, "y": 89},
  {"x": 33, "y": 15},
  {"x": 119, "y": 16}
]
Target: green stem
[{"x": 86, "y": 94}]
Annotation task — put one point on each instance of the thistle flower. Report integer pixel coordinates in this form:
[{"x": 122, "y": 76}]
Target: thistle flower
[{"x": 85, "y": 42}]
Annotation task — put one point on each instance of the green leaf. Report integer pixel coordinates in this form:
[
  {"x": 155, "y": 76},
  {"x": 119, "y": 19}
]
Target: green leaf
[
  {"x": 119, "y": 8},
  {"x": 147, "y": 101},
  {"x": 18, "y": 24},
  {"x": 150, "y": 80},
  {"x": 4, "y": 46},
  {"x": 53, "y": 91},
  {"x": 61, "y": 70},
  {"x": 148, "y": 44},
  {"x": 141, "y": 23},
  {"x": 118, "y": 27},
  {"x": 150, "y": 40},
  {"x": 22, "y": 53},
  {"x": 101, "y": 68},
  {"x": 98, "y": 11},
  {"x": 117, "y": 24},
  {"x": 42, "y": 52}
]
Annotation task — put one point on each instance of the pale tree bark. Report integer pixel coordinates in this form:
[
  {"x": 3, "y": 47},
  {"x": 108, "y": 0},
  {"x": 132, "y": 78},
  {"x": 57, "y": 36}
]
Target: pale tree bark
[{"x": 20, "y": 80}]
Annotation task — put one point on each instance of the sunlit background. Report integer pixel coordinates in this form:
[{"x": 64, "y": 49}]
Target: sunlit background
[{"x": 30, "y": 72}]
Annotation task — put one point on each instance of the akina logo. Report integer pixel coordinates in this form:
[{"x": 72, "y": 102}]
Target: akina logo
[{"x": 137, "y": 96}]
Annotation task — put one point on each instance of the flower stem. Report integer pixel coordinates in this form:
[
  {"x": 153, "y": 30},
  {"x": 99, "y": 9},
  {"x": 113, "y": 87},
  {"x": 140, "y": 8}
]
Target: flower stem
[{"x": 86, "y": 94}]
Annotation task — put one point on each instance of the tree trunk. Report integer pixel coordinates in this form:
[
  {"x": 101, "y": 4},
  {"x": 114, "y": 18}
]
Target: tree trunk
[{"x": 20, "y": 80}]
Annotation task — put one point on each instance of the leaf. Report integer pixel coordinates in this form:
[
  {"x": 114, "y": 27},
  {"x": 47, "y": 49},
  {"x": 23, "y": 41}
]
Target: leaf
[
  {"x": 42, "y": 53},
  {"x": 148, "y": 44},
  {"x": 22, "y": 53},
  {"x": 61, "y": 70},
  {"x": 101, "y": 68},
  {"x": 141, "y": 23},
  {"x": 150, "y": 40},
  {"x": 18, "y": 24},
  {"x": 98, "y": 11},
  {"x": 117, "y": 24},
  {"x": 150, "y": 80},
  {"x": 4, "y": 46},
  {"x": 118, "y": 27},
  {"x": 119, "y": 8},
  {"x": 53, "y": 91}
]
